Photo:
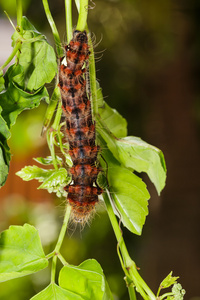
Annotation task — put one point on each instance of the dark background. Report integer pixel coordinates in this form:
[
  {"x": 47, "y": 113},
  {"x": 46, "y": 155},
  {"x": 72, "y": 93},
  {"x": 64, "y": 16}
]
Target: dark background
[{"x": 149, "y": 71}]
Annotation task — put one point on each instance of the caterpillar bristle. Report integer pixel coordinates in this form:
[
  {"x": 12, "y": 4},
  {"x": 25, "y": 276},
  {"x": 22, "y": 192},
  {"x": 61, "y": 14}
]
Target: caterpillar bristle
[{"x": 83, "y": 190}]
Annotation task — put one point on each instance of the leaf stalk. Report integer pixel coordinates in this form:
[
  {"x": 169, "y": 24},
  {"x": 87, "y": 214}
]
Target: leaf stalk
[
  {"x": 12, "y": 55},
  {"x": 83, "y": 13},
  {"x": 19, "y": 12},
  {"x": 53, "y": 28},
  {"x": 68, "y": 14}
]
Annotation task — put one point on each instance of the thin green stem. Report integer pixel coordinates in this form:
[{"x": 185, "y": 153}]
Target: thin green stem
[
  {"x": 14, "y": 52},
  {"x": 50, "y": 255},
  {"x": 53, "y": 28},
  {"x": 127, "y": 260},
  {"x": 53, "y": 269},
  {"x": 166, "y": 295},
  {"x": 131, "y": 291},
  {"x": 83, "y": 13},
  {"x": 129, "y": 264},
  {"x": 56, "y": 122},
  {"x": 59, "y": 244},
  {"x": 63, "y": 261},
  {"x": 51, "y": 109},
  {"x": 92, "y": 70},
  {"x": 158, "y": 292},
  {"x": 82, "y": 8},
  {"x": 68, "y": 16},
  {"x": 63, "y": 229},
  {"x": 19, "y": 12},
  {"x": 60, "y": 144},
  {"x": 50, "y": 141},
  {"x": 141, "y": 286}
]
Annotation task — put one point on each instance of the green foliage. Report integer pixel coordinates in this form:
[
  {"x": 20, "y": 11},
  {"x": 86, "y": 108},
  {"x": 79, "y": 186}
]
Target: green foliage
[
  {"x": 86, "y": 280},
  {"x": 21, "y": 252},
  {"x": 177, "y": 292},
  {"x": 4, "y": 150},
  {"x": 126, "y": 155},
  {"x": 110, "y": 117},
  {"x": 52, "y": 180},
  {"x": 2, "y": 81},
  {"x": 14, "y": 99},
  {"x": 37, "y": 58},
  {"x": 168, "y": 281},
  {"x": 48, "y": 160},
  {"x": 128, "y": 192},
  {"x": 55, "y": 292},
  {"x": 23, "y": 84},
  {"x": 140, "y": 156}
]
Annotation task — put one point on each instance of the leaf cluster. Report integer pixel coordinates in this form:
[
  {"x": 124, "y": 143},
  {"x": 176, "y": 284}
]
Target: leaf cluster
[
  {"x": 22, "y": 254},
  {"x": 22, "y": 86}
]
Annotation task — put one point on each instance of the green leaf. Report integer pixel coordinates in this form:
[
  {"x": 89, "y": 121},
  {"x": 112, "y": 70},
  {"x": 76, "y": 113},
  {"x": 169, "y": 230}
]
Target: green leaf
[
  {"x": 140, "y": 156},
  {"x": 4, "y": 150},
  {"x": 14, "y": 100},
  {"x": 54, "y": 292},
  {"x": 2, "y": 87},
  {"x": 55, "y": 97},
  {"x": 48, "y": 160},
  {"x": 168, "y": 281},
  {"x": 21, "y": 252},
  {"x": 128, "y": 192},
  {"x": 137, "y": 155},
  {"x": 4, "y": 130},
  {"x": 53, "y": 180},
  {"x": 87, "y": 280},
  {"x": 37, "y": 59},
  {"x": 34, "y": 172},
  {"x": 4, "y": 162},
  {"x": 111, "y": 118},
  {"x": 56, "y": 182}
]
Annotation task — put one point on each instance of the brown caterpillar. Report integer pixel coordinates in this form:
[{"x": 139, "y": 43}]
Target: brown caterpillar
[{"x": 80, "y": 129}]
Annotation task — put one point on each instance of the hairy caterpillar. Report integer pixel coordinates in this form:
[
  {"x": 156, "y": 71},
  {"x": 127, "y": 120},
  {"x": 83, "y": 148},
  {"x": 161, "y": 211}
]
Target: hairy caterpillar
[{"x": 83, "y": 190}]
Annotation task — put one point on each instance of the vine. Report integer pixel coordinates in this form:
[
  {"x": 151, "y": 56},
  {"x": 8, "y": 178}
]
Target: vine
[{"x": 125, "y": 194}]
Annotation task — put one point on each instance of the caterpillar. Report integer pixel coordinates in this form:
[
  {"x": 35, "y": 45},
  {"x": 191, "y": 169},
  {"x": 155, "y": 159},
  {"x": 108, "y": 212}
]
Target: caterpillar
[{"x": 83, "y": 189}]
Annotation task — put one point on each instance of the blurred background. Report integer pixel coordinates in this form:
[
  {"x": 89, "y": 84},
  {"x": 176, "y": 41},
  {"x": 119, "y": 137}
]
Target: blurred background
[{"x": 148, "y": 65}]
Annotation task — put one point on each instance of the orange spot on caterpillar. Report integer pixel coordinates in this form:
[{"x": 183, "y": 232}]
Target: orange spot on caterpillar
[{"x": 78, "y": 86}]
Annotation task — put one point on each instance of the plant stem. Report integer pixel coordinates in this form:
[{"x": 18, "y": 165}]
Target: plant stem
[
  {"x": 68, "y": 16},
  {"x": 92, "y": 71},
  {"x": 59, "y": 244},
  {"x": 15, "y": 50},
  {"x": 63, "y": 229},
  {"x": 19, "y": 12},
  {"x": 131, "y": 291},
  {"x": 58, "y": 116},
  {"x": 158, "y": 292},
  {"x": 166, "y": 295},
  {"x": 129, "y": 264},
  {"x": 63, "y": 261},
  {"x": 83, "y": 12},
  {"x": 53, "y": 269},
  {"x": 50, "y": 142},
  {"x": 51, "y": 109},
  {"x": 50, "y": 255},
  {"x": 53, "y": 28}
]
